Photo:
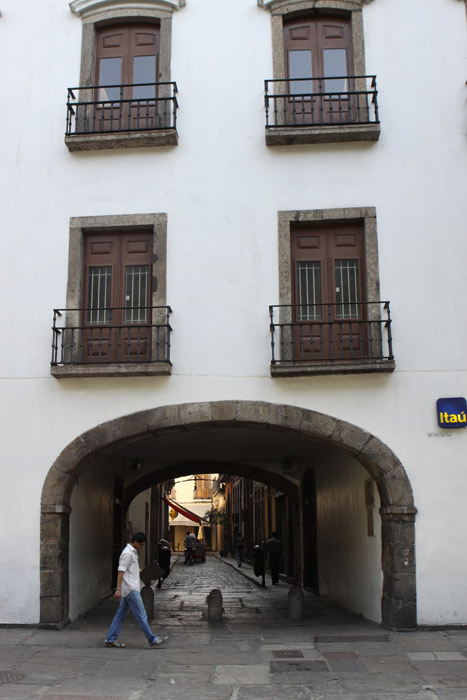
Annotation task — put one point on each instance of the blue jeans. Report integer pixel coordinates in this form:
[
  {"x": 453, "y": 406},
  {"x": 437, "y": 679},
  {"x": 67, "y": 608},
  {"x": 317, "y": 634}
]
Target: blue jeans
[{"x": 132, "y": 602}]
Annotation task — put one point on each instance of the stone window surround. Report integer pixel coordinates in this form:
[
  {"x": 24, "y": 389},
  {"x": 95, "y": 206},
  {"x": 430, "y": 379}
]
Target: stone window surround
[
  {"x": 85, "y": 8},
  {"x": 97, "y": 13},
  {"x": 367, "y": 217},
  {"x": 79, "y": 226},
  {"x": 328, "y": 134}
]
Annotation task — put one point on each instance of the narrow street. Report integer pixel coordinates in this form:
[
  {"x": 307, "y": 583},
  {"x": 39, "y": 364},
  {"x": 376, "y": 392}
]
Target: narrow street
[
  {"x": 255, "y": 653},
  {"x": 182, "y": 598}
]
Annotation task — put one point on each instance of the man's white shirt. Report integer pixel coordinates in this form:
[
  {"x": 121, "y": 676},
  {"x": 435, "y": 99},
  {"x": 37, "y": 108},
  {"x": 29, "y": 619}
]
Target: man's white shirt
[{"x": 129, "y": 564}]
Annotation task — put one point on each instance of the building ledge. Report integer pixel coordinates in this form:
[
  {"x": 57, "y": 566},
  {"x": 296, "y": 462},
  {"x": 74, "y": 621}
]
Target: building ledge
[
  {"x": 134, "y": 139},
  {"x": 131, "y": 369},
  {"x": 84, "y": 8},
  {"x": 293, "y": 135},
  {"x": 303, "y": 369}
]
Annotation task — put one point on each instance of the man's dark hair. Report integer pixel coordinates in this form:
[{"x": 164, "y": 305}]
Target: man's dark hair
[
  {"x": 139, "y": 537},
  {"x": 274, "y": 534}
]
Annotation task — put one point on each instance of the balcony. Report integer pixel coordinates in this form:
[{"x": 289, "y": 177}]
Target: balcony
[
  {"x": 121, "y": 116},
  {"x": 118, "y": 341},
  {"x": 331, "y": 339},
  {"x": 321, "y": 110}
]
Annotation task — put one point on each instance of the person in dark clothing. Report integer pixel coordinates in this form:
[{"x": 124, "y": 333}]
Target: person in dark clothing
[
  {"x": 240, "y": 546},
  {"x": 164, "y": 560},
  {"x": 190, "y": 541},
  {"x": 273, "y": 549}
]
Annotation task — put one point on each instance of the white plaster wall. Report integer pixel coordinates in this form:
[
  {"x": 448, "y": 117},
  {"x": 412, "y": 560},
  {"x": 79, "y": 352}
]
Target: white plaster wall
[
  {"x": 91, "y": 538},
  {"x": 222, "y": 188},
  {"x": 136, "y": 517},
  {"x": 136, "y": 522},
  {"x": 349, "y": 561}
]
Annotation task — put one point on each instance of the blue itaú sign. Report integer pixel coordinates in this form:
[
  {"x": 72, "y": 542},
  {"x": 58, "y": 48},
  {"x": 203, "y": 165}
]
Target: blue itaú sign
[{"x": 452, "y": 412}]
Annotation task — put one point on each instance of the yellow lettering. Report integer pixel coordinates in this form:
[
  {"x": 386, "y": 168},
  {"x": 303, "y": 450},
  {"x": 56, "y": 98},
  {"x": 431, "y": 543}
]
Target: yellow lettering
[
  {"x": 462, "y": 417},
  {"x": 441, "y": 417},
  {"x": 453, "y": 418}
]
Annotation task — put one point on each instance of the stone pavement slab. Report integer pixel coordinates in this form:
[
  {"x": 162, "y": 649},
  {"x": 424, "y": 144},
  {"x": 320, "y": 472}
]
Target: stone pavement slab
[
  {"x": 185, "y": 691},
  {"x": 53, "y": 696},
  {"x": 425, "y": 641},
  {"x": 216, "y": 657},
  {"x": 15, "y": 635},
  {"x": 127, "y": 669},
  {"x": 230, "y": 674},
  {"x": 98, "y": 687},
  {"x": 385, "y": 695},
  {"x": 347, "y": 666},
  {"x": 21, "y": 692},
  {"x": 180, "y": 672},
  {"x": 378, "y": 683},
  {"x": 450, "y": 693},
  {"x": 387, "y": 664},
  {"x": 448, "y": 674},
  {"x": 274, "y": 693}
]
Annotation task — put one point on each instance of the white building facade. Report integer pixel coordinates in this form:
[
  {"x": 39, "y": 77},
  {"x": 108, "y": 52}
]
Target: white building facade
[{"x": 352, "y": 194}]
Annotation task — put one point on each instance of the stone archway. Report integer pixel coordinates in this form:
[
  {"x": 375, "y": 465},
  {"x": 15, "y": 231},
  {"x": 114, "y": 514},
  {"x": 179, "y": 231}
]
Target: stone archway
[{"x": 397, "y": 506}]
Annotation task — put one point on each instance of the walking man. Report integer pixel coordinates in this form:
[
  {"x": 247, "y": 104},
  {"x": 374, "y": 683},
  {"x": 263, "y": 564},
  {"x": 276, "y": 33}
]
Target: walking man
[
  {"x": 128, "y": 592},
  {"x": 240, "y": 547},
  {"x": 190, "y": 541},
  {"x": 273, "y": 548}
]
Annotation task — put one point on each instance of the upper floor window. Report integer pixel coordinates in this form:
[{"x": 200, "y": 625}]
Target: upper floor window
[
  {"x": 320, "y": 92},
  {"x": 116, "y": 319},
  {"x": 126, "y": 97},
  {"x": 127, "y": 55},
  {"x": 318, "y": 63},
  {"x": 330, "y": 318},
  {"x": 202, "y": 487}
]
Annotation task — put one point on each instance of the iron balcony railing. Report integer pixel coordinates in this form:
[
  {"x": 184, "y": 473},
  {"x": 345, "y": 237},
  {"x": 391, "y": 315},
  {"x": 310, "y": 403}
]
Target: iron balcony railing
[
  {"x": 111, "y": 335},
  {"x": 114, "y": 108},
  {"x": 322, "y": 101},
  {"x": 310, "y": 333}
]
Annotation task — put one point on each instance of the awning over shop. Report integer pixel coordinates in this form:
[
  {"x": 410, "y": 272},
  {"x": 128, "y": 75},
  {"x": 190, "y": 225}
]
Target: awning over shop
[{"x": 184, "y": 511}]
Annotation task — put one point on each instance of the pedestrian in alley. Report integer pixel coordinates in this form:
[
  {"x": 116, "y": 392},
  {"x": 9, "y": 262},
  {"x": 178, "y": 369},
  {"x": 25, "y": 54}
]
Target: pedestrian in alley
[
  {"x": 273, "y": 548},
  {"x": 190, "y": 541},
  {"x": 164, "y": 559},
  {"x": 128, "y": 592},
  {"x": 240, "y": 547}
]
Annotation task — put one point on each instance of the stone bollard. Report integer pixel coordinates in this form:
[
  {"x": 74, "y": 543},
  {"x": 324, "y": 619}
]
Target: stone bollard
[
  {"x": 147, "y": 596},
  {"x": 296, "y": 603},
  {"x": 214, "y": 601}
]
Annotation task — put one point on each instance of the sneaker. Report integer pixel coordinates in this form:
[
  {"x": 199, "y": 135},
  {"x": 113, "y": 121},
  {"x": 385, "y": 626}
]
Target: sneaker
[{"x": 158, "y": 641}]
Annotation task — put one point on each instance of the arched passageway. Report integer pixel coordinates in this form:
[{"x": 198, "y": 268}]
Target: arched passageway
[{"x": 259, "y": 438}]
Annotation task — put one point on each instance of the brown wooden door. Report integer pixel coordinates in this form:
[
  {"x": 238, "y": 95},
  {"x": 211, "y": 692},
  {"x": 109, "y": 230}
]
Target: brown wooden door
[
  {"x": 327, "y": 274},
  {"x": 126, "y": 55},
  {"x": 117, "y": 294},
  {"x": 318, "y": 48}
]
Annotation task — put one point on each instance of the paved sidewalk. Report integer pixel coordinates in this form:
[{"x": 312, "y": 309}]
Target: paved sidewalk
[{"x": 256, "y": 653}]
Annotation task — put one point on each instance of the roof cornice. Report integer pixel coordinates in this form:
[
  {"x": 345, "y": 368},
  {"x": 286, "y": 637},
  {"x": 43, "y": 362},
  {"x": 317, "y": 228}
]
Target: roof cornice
[
  {"x": 275, "y": 5},
  {"x": 84, "y": 8}
]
